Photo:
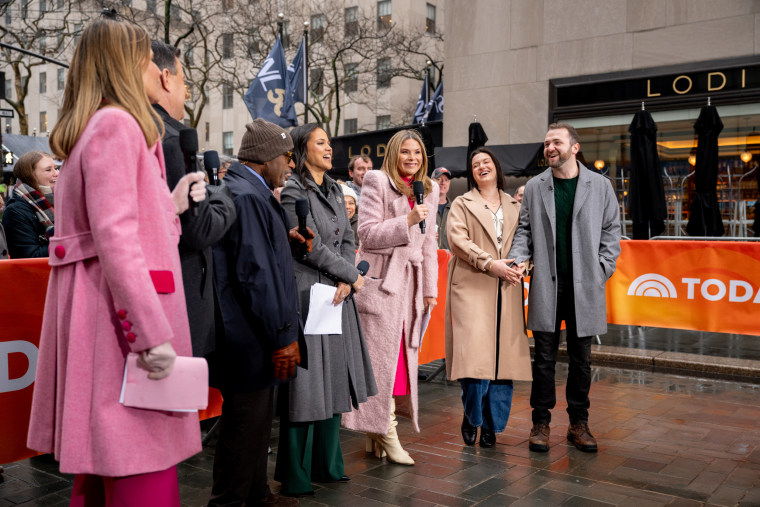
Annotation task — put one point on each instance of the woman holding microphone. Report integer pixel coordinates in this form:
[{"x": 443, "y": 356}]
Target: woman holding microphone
[
  {"x": 339, "y": 374},
  {"x": 400, "y": 287},
  {"x": 488, "y": 352},
  {"x": 115, "y": 284}
]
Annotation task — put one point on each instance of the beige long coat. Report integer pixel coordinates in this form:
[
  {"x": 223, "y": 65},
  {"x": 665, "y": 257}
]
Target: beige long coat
[{"x": 472, "y": 347}]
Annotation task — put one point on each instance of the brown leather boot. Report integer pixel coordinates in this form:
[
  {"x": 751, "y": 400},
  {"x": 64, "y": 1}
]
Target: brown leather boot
[
  {"x": 581, "y": 437},
  {"x": 539, "y": 438}
]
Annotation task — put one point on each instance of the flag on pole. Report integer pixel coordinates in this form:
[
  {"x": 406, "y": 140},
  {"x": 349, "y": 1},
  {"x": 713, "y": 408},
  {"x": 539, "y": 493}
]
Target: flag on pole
[
  {"x": 267, "y": 96},
  {"x": 422, "y": 100},
  {"x": 297, "y": 76},
  {"x": 434, "y": 109}
]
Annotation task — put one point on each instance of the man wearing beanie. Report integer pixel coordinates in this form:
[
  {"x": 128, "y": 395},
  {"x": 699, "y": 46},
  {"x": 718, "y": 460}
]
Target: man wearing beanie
[{"x": 259, "y": 304}]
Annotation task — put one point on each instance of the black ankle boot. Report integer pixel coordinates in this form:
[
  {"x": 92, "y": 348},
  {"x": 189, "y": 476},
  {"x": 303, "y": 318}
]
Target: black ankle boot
[
  {"x": 487, "y": 437},
  {"x": 469, "y": 432}
]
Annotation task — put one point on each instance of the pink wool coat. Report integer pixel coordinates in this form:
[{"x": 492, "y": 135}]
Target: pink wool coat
[
  {"x": 403, "y": 269},
  {"x": 115, "y": 286}
]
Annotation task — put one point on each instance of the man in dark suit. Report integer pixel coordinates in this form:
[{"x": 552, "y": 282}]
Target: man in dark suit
[
  {"x": 259, "y": 302},
  {"x": 215, "y": 214}
]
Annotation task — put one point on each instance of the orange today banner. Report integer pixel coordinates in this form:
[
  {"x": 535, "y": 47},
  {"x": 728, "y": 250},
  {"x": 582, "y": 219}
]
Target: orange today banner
[{"x": 701, "y": 285}]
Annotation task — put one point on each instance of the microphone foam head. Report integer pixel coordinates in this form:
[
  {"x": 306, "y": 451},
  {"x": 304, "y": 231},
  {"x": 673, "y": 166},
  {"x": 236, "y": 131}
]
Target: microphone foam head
[
  {"x": 302, "y": 207},
  {"x": 363, "y": 267},
  {"x": 188, "y": 139},
  {"x": 211, "y": 159},
  {"x": 418, "y": 188}
]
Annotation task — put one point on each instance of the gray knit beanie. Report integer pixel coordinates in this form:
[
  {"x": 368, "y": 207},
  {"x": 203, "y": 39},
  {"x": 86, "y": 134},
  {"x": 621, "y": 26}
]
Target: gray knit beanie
[{"x": 264, "y": 141}]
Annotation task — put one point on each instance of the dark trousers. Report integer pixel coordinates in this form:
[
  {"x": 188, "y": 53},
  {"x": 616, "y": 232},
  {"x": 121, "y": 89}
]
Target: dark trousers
[
  {"x": 240, "y": 463},
  {"x": 308, "y": 451},
  {"x": 543, "y": 396}
]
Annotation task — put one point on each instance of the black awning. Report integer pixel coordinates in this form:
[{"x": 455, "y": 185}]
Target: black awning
[
  {"x": 515, "y": 159},
  {"x": 18, "y": 145}
]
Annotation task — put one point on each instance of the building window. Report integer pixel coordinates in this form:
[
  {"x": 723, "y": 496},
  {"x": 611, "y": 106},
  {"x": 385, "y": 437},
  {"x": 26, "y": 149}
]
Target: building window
[
  {"x": 384, "y": 15},
  {"x": 285, "y": 34},
  {"x": 383, "y": 122},
  {"x": 8, "y": 15},
  {"x": 189, "y": 60},
  {"x": 43, "y": 121},
  {"x": 77, "y": 32},
  {"x": 208, "y": 132},
  {"x": 253, "y": 44},
  {"x": 43, "y": 6},
  {"x": 227, "y": 5},
  {"x": 150, "y": 6},
  {"x": 59, "y": 4},
  {"x": 315, "y": 80},
  {"x": 8, "y": 88},
  {"x": 352, "y": 78},
  {"x": 349, "y": 126},
  {"x": 226, "y": 96},
  {"x": 174, "y": 12},
  {"x": 24, "y": 8},
  {"x": 430, "y": 21},
  {"x": 43, "y": 82},
  {"x": 351, "y": 27},
  {"x": 383, "y": 72},
  {"x": 126, "y": 3},
  {"x": 227, "y": 143},
  {"x": 61, "y": 79},
  {"x": 317, "y": 27},
  {"x": 227, "y": 47},
  {"x": 43, "y": 44},
  {"x": 24, "y": 82}
]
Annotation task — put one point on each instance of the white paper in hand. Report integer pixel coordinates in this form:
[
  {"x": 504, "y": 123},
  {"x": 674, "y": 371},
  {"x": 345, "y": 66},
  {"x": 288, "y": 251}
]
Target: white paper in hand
[{"x": 324, "y": 317}]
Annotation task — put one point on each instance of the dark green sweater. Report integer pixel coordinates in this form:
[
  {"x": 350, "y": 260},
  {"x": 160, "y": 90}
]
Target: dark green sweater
[{"x": 564, "y": 195}]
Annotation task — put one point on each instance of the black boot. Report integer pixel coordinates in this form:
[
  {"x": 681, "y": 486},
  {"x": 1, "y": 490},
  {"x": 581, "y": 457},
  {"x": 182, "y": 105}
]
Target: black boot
[
  {"x": 487, "y": 437},
  {"x": 469, "y": 432}
]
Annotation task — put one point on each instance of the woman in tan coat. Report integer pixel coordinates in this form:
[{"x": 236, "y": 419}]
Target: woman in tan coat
[{"x": 486, "y": 344}]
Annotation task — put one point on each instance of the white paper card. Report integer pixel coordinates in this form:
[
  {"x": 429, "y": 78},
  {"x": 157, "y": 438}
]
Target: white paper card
[
  {"x": 424, "y": 323},
  {"x": 324, "y": 317}
]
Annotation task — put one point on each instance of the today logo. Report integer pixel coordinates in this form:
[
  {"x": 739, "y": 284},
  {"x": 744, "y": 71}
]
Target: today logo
[{"x": 712, "y": 289}]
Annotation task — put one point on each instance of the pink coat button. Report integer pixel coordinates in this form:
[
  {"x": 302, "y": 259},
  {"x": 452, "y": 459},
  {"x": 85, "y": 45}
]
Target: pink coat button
[
  {"x": 122, "y": 314},
  {"x": 131, "y": 337},
  {"x": 59, "y": 251},
  {"x": 126, "y": 326}
]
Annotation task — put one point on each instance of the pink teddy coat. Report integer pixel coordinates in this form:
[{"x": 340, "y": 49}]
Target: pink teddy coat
[
  {"x": 115, "y": 287},
  {"x": 403, "y": 269}
]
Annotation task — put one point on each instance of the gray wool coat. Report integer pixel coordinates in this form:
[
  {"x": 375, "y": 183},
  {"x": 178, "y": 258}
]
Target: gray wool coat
[
  {"x": 595, "y": 249},
  {"x": 339, "y": 373}
]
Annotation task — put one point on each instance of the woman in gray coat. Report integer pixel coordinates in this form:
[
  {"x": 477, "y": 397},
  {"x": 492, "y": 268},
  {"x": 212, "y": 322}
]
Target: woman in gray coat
[{"x": 339, "y": 373}]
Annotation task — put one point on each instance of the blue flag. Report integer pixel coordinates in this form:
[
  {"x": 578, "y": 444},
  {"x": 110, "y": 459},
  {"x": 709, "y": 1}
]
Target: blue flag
[
  {"x": 267, "y": 97},
  {"x": 435, "y": 106},
  {"x": 422, "y": 100},
  {"x": 297, "y": 76}
]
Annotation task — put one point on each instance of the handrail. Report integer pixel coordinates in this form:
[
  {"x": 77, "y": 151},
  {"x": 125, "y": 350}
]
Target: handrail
[{"x": 703, "y": 238}]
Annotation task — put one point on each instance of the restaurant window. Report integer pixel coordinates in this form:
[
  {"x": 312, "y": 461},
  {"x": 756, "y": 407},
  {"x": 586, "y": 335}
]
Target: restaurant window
[
  {"x": 228, "y": 140},
  {"x": 384, "y": 15}
]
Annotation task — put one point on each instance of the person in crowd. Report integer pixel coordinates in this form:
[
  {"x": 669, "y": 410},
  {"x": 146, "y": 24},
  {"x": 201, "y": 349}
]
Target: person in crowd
[
  {"x": 3, "y": 244},
  {"x": 519, "y": 193},
  {"x": 115, "y": 284},
  {"x": 214, "y": 215},
  {"x": 400, "y": 287},
  {"x": 487, "y": 353},
  {"x": 224, "y": 164},
  {"x": 442, "y": 176},
  {"x": 358, "y": 166},
  {"x": 29, "y": 216},
  {"x": 571, "y": 267},
  {"x": 339, "y": 376},
  {"x": 258, "y": 297},
  {"x": 352, "y": 210}
]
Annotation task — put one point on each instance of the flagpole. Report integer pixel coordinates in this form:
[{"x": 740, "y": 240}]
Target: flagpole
[
  {"x": 280, "y": 24},
  {"x": 305, "y": 72}
]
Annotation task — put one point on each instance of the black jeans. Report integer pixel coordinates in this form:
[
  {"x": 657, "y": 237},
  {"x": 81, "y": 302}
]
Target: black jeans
[{"x": 543, "y": 396}]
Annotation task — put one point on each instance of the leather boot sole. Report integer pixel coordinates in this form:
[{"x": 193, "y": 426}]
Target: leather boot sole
[
  {"x": 582, "y": 447},
  {"x": 538, "y": 447}
]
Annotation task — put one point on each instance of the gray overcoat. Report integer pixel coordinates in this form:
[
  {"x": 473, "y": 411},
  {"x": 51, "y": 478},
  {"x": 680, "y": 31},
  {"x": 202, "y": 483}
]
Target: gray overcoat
[
  {"x": 595, "y": 249},
  {"x": 339, "y": 372}
]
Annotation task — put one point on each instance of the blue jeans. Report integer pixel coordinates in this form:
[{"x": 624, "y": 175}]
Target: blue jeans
[{"x": 487, "y": 402}]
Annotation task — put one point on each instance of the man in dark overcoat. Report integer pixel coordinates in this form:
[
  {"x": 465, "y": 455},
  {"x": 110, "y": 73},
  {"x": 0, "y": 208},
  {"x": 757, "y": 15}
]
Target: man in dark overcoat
[
  {"x": 259, "y": 303},
  {"x": 215, "y": 214}
]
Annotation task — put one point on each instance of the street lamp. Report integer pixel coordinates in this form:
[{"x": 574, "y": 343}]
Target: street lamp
[{"x": 280, "y": 24}]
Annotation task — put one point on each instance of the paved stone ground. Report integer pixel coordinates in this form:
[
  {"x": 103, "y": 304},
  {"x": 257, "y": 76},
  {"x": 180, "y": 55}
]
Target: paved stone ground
[{"x": 664, "y": 440}]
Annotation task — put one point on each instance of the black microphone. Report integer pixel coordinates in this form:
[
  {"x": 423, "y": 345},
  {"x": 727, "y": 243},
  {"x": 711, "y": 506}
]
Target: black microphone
[
  {"x": 211, "y": 164},
  {"x": 362, "y": 267},
  {"x": 302, "y": 209},
  {"x": 419, "y": 194},
  {"x": 188, "y": 143}
]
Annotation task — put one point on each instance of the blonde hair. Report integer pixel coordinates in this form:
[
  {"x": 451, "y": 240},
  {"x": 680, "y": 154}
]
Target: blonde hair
[
  {"x": 106, "y": 69},
  {"x": 391, "y": 161}
]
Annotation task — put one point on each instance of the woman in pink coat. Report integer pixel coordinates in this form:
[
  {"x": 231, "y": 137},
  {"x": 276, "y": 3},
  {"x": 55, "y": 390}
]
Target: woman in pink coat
[
  {"x": 115, "y": 284},
  {"x": 400, "y": 287}
]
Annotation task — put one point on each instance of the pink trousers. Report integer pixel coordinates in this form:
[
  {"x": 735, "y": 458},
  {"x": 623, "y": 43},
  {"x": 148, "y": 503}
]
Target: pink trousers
[{"x": 155, "y": 489}]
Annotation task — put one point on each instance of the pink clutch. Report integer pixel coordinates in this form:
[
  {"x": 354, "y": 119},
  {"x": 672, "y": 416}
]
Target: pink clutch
[{"x": 184, "y": 390}]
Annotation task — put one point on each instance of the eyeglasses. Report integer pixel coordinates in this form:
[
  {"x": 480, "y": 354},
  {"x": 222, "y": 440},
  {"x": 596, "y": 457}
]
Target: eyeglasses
[{"x": 290, "y": 155}]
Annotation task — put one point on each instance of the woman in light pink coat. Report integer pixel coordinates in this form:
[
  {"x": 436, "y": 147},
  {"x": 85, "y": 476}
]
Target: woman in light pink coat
[
  {"x": 400, "y": 287},
  {"x": 115, "y": 284}
]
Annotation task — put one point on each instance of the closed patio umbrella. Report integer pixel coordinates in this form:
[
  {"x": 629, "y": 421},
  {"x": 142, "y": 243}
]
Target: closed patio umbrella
[
  {"x": 704, "y": 214},
  {"x": 646, "y": 197}
]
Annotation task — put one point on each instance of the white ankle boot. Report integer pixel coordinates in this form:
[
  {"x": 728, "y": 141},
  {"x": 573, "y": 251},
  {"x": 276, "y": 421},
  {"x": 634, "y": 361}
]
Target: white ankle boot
[{"x": 388, "y": 445}]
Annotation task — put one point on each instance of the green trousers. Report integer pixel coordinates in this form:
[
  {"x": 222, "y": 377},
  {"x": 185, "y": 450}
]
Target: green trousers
[{"x": 308, "y": 451}]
